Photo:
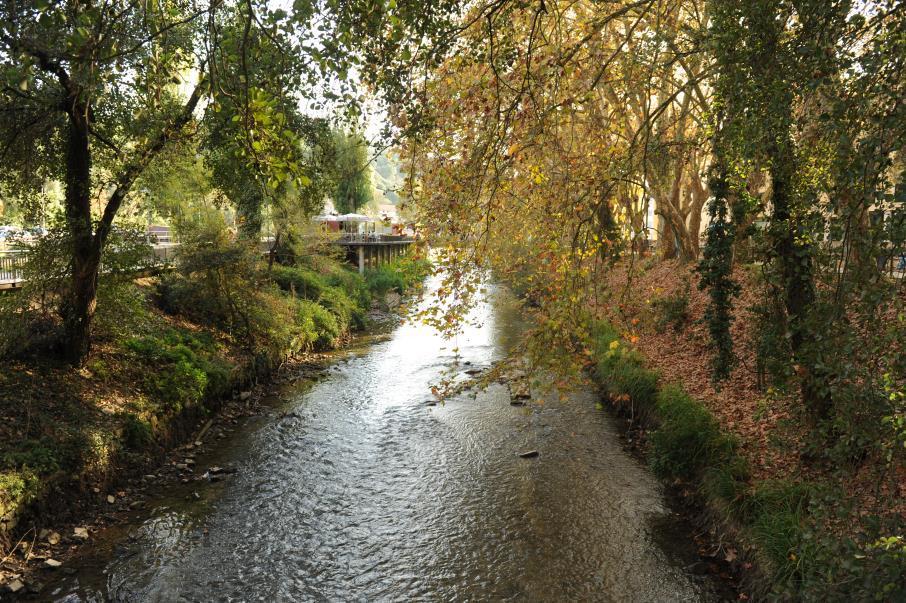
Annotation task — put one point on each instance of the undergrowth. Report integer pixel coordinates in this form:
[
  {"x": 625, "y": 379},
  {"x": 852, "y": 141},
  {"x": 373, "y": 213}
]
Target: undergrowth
[{"x": 802, "y": 550}]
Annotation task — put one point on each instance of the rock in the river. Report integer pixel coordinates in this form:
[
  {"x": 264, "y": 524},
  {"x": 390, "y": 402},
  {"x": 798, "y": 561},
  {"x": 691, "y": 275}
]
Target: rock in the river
[
  {"x": 14, "y": 586},
  {"x": 529, "y": 454},
  {"x": 245, "y": 396},
  {"x": 53, "y": 538},
  {"x": 520, "y": 390},
  {"x": 517, "y": 402},
  {"x": 473, "y": 371},
  {"x": 52, "y": 563},
  {"x": 111, "y": 498},
  {"x": 80, "y": 533},
  {"x": 392, "y": 299}
]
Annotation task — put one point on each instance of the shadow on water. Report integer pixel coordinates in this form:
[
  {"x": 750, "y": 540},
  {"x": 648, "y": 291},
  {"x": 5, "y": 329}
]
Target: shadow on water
[{"x": 362, "y": 491}]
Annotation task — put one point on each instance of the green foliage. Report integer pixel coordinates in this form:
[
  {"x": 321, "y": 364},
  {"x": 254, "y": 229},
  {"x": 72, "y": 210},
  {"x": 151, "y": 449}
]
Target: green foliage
[
  {"x": 864, "y": 569},
  {"x": 339, "y": 304},
  {"x": 41, "y": 456},
  {"x": 348, "y": 311},
  {"x": 688, "y": 438},
  {"x": 384, "y": 279},
  {"x": 303, "y": 282},
  {"x": 354, "y": 189},
  {"x": 319, "y": 326},
  {"x": 18, "y": 486},
  {"x": 186, "y": 369},
  {"x": 397, "y": 276},
  {"x": 726, "y": 481},
  {"x": 775, "y": 513},
  {"x": 350, "y": 281},
  {"x": 716, "y": 268},
  {"x": 137, "y": 432},
  {"x": 621, "y": 372},
  {"x": 222, "y": 282},
  {"x": 772, "y": 345},
  {"x": 672, "y": 310},
  {"x": 31, "y": 318},
  {"x": 122, "y": 310}
]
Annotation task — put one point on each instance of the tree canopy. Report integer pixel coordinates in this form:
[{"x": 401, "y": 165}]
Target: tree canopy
[
  {"x": 352, "y": 165},
  {"x": 93, "y": 93}
]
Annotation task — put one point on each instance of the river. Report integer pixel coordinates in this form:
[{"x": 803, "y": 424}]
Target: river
[{"x": 353, "y": 488}]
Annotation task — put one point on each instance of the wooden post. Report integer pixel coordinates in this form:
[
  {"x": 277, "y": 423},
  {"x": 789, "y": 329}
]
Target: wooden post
[{"x": 361, "y": 259}]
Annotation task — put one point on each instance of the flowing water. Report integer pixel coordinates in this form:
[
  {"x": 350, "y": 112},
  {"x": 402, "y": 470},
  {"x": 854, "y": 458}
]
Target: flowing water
[{"x": 363, "y": 492}]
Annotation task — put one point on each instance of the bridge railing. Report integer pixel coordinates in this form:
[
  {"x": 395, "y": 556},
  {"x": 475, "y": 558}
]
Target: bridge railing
[
  {"x": 371, "y": 237},
  {"x": 11, "y": 265}
]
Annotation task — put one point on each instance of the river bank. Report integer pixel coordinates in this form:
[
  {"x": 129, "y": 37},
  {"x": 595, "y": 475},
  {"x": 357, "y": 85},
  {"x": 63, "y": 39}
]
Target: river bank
[
  {"x": 74, "y": 441},
  {"x": 792, "y": 522},
  {"x": 360, "y": 484}
]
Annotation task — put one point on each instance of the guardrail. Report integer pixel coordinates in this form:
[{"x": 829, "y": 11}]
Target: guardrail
[
  {"x": 11, "y": 264},
  {"x": 370, "y": 237}
]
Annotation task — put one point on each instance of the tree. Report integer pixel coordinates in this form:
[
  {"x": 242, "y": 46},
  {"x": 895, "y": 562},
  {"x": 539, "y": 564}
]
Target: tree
[
  {"x": 554, "y": 127},
  {"x": 807, "y": 94},
  {"x": 91, "y": 93},
  {"x": 352, "y": 172}
]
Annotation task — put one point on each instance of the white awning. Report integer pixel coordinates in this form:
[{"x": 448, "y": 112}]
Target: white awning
[{"x": 355, "y": 218}]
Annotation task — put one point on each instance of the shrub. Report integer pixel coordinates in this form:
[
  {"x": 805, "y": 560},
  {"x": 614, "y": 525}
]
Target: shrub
[
  {"x": 319, "y": 325},
  {"x": 121, "y": 311},
  {"x": 38, "y": 455},
  {"x": 18, "y": 486},
  {"x": 179, "y": 386},
  {"x": 345, "y": 309},
  {"x": 185, "y": 369},
  {"x": 688, "y": 438},
  {"x": 672, "y": 310},
  {"x": 384, "y": 279},
  {"x": 399, "y": 275},
  {"x": 776, "y": 512},
  {"x": 620, "y": 371},
  {"x": 305, "y": 283},
  {"x": 136, "y": 432},
  {"x": 222, "y": 282},
  {"x": 871, "y": 568},
  {"x": 603, "y": 334},
  {"x": 634, "y": 383},
  {"x": 30, "y": 318},
  {"x": 727, "y": 481},
  {"x": 351, "y": 282}
]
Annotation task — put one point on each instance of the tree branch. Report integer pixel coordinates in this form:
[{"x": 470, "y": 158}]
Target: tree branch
[{"x": 135, "y": 167}]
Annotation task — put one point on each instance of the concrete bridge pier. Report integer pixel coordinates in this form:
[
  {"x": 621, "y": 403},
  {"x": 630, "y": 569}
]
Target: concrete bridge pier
[{"x": 374, "y": 254}]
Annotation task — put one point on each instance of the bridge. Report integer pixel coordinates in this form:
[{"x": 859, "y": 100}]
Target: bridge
[
  {"x": 368, "y": 250},
  {"x": 364, "y": 250}
]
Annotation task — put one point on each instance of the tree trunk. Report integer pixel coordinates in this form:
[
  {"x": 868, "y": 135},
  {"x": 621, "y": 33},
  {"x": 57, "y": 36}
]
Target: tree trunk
[
  {"x": 79, "y": 307},
  {"x": 667, "y": 242},
  {"x": 796, "y": 267}
]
